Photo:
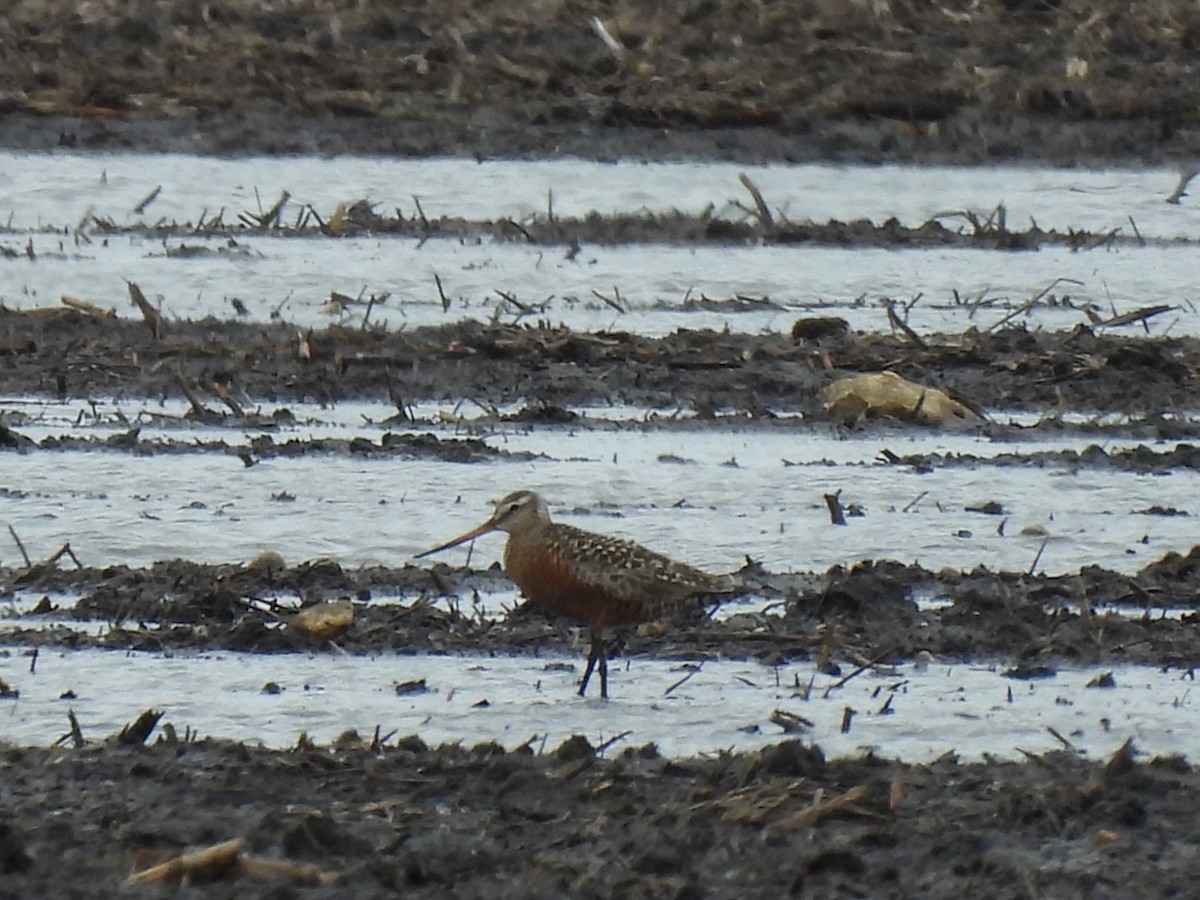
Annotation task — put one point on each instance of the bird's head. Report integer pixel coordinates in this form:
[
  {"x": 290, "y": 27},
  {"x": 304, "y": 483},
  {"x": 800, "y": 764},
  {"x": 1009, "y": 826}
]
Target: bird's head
[{"x": 518, "y": 512}]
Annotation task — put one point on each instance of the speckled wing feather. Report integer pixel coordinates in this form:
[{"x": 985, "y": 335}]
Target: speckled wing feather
[{"x": 630, "y": 572}]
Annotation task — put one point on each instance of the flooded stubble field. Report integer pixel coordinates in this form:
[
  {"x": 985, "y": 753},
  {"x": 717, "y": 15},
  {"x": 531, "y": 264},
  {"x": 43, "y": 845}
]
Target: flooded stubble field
[
  {"x": 883, "y": 314},
  {"x": 219, "y": 417}
]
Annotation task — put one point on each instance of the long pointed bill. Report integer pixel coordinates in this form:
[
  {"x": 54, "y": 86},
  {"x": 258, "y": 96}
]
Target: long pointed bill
[{"x": 461, "y": 539}]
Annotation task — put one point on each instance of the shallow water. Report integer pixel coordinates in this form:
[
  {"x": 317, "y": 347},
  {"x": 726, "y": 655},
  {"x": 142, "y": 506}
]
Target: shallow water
[
  {"x": 730, "y": 495},
  {"x": 39, "y": 190},
  {"x": 659, "y": 286},
  {"x": 724, "y": 706},
  {"x": 294, "y": 278},
  {"x": 164, "y": 420}
]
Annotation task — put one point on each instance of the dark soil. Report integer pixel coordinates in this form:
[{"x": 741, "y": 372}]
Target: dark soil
[
  {"x": 988, "y": 616},
  {"x": 64, "y": 353},
  {"x": 1060, "y": 81},
  {"x": 409, "y": 820},
  {"x": 1064, "y": 81}
]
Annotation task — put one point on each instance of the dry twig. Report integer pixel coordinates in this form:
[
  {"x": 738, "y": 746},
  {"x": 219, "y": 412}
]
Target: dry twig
[
  {"x": 616, "y": 738},
  {"x": 441, "y": 293},
  {"x": 137, "y": 731},
  {"x": 20, "y": 546},
  {"x": 64, "y": 550},
  {"x": 158, "y": 327},
  {"x": 1185, "y": 178},
  {"x": 869, "y": 664},
  {"x": 1138, "y": 315},
  {"x": 1031, "y": 302},
  {"x": 202, "y": 412},
  {"x": 88, "y": 309},
  {"x": 898, "y": 323},
  {"x": 222, "y": 393},
  {"x": 764, "y": 213},
  {"x": 149, "y": 198},
  {"x": 834, "y": 502},
  {"x": 818, "y": 810},
  {"x": 613, "y": 45},
  {"x": 684, "y": 680}
]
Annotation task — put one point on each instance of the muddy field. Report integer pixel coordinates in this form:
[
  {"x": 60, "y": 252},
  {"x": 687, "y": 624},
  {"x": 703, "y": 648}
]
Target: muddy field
[
  {"x": 481, "y": 822},
  {"x": 59, "y": 352},
  {"x": 1054, "y": 80},
  {"x": 372, "y": 816},
  {"x": 1058, "y": 81}
]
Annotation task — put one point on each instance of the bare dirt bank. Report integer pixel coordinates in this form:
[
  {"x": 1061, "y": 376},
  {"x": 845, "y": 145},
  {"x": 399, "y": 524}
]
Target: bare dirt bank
[
  {"x": 359, "y": 821},
  {"x": 59, "y": 352},
  {"x": 1063, "y": 81}
]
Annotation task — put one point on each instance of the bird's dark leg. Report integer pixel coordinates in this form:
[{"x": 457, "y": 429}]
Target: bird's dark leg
[
  {"x": 597, "y": 655},
  {"x": 587, "y": 673},
  {"x": 603, "y": 672}
]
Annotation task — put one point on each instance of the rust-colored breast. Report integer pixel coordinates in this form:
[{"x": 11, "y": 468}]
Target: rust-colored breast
[
  {"x": 601, "y": 580},
  {"x": 543, "y": 573}
]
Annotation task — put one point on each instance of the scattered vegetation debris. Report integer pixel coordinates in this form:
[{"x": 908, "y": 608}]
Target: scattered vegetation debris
[
  {"x": 491, "y": 363},
  {"x": 858, "y": 397},
  {"x": 675, "y": 459},
  {"x": 88, "y": 309},
  {"x": 990, "y": 508},
  {"x": 1185, "y": 179},
  {"x": 324, "y": 619},
  {"x": 138, "y": 731},
  {"x": 574, "y": 748},
  {"x": 837, "y": 515},
  {"x": 544, "y": 414},
  {"x": 815, "y": 328},
  {"x": 790, "y": 722},
  {"x": 228, "y": 861},
  {"x": 154, "y": 319},
  {"x": 1122, "y": 760},
  {"x": 1138, "y": 316},
  {"x": 1029, "y": 671},
  {"x": 810, "y": 816},
  {"x": 416, "y": 686}
]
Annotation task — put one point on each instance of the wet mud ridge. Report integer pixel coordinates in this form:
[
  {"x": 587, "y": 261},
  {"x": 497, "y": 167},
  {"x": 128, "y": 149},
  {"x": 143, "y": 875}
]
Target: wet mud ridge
[
  {"x": 751, "y": 222},
  {"x": 961, "y": 81},
  {"x": 1028, "y": 623},
  {"x": 372, "y": 819},
  {"x": 227, "y": 369}
]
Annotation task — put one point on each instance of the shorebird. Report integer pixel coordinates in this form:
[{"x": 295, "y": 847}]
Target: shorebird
[{"x": 603, "y": 581}]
